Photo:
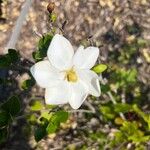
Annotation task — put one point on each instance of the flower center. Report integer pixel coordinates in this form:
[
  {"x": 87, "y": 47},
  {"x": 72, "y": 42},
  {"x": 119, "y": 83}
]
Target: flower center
[{"x": 71, "y": 75}]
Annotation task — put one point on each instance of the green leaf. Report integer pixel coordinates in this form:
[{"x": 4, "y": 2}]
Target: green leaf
[
  {"x": 37, "y": 55},
  {"x": 43, "y": 45},
  {"x": 146, "y": 117},
  {"x": 8, "y": 59},
  {"x": 105, "y": 88},
  {"x": 99, "y": 68},
  {"x": 142, "y": 42},
  {"x": 4, "y": 118},
  {"x": 55, "y": 120},
  {"x": 107, "y": 112},
  {"x": 46, "y": 115},
  {"x": 5, "y": 61},
  {"x": 14, "y": 55},
  {"x": 36, "y": 106},
  {"x": 60, "y": 116},
  {"x": 134, "y": 29},
  {"x": 51, "y": 128},
  {"x": 32, "y": 119},
  {"x": 132, "y": 75},
  {"x": 27, "y": 84},
  {"x": 3, "y": 135},
  {"x": 53, "y": 17},
  {"x": 12, "y": 106},
  {"x": 120, "y": 107},
  {"x": 40, "y": 133}
]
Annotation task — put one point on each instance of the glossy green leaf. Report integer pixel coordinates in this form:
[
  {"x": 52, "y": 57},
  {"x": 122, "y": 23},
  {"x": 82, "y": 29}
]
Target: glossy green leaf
[
  {"x": 55, "y": 120},
  {"x": 12, "y": 106},
  {"x": 60, "y": 116},
  {"x": 51, "y": 128},
  {"x": 43, "y": 45},
  {"x": 99, "y": 68},
  {"x": 40, "y": 133}
]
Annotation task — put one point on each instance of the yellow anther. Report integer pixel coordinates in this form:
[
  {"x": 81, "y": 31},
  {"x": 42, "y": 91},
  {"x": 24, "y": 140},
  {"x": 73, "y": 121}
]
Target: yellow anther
[{"x": 71, "y": 76}]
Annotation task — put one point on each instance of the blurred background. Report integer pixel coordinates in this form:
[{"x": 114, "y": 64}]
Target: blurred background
[{"x": 120, "y": 28}]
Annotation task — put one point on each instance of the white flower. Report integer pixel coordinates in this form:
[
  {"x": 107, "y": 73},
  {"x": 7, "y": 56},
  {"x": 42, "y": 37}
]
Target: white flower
[{"x": 67, "y": 76}]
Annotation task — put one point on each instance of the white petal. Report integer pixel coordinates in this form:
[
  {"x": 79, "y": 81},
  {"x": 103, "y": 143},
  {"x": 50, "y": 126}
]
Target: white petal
[
  {"x": 60, "y": 52},
  {"x": 91, "y": 80},
  {"x": 44, "y": 74},
  {"x": 85, "y": 58},
  {"x": 79, "y": 94},
  {"x": 59, "y": 94}
]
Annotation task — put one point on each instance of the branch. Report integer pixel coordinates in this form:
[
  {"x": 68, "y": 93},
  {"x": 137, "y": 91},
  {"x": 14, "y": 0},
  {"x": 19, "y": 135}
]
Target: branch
[
  {"x": 81, "y": 111},
  {"x": 17, "y": 29}
]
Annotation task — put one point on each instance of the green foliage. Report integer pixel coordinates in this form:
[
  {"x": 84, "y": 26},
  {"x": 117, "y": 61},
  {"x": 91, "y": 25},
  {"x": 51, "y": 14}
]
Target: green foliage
[
  {"x": 127, "y": 52},
  {"x": 110, "y": 111},
  {"x": 55, "y": 120},
  {"x": 99, "y": 68},
  {"x": 43, "y": 45},
  {"x": 99, "y": 137},
  {"x": 130, "y": 131},
  {"x": 27, "y": 84},
  {"x": 50, "y": 123},
  {"x": 32, "y": 119},
  {"x": 124, "y": 78},
  {"x": 36, "y": 106},
  {"x": 40, "y": 133},
  {"x": 11, "y": 106},
  {"x": 146, "y": 117},
  {"x": 14, "y": 55},
  {"x": 8, "y": 59},
  {"x": 8, "y": 111},
  {"x": 134, "y": 29},
  {"x": 107, "y": 111},
  {"x": 53, "y": 17},
  {"x": 5, "y": 61},
  {"x": 3, "y": 135},
  {"x": 122, "y": 107},
  {"x": 4, "y": 119},
  {"x": 105, "y": 88}
]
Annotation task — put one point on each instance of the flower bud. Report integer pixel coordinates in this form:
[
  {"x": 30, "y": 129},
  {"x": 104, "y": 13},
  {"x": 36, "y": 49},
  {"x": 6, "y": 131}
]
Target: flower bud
[{"x": 50, "y": 7}]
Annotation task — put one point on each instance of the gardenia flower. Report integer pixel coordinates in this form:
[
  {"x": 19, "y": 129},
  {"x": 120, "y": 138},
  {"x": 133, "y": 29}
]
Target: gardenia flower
[{"x": 66, "y": 75}]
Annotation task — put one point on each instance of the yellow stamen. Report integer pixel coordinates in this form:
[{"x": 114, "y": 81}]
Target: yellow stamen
[{"x": 71, "y": 75}]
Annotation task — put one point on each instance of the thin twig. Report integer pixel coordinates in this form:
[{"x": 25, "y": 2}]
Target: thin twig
[
  {"x": 81, "y": 110},
  {"x": 46, "y": 110},
  {"x": 90, "y": 106},
  {"x": 114, "y": 102}
]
